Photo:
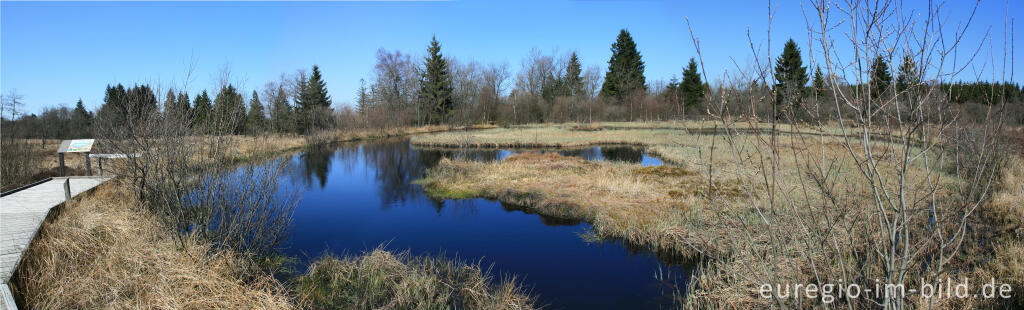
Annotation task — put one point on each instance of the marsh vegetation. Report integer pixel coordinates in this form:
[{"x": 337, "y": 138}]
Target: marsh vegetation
[{"x": 553, "y": 186}]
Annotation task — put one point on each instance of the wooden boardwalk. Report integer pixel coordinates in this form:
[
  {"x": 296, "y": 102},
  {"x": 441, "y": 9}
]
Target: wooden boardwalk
[{"x": 23, "y": 212}]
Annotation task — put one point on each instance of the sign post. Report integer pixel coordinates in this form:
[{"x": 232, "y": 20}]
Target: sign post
[{"x": 75, "y": 146}]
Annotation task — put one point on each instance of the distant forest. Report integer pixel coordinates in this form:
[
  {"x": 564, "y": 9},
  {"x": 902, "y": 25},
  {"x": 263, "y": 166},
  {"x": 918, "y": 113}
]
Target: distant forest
[{"x": 403, "y": 91}]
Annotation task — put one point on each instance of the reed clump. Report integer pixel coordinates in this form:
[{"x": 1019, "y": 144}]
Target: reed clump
[{"x": 381, "y": 279}]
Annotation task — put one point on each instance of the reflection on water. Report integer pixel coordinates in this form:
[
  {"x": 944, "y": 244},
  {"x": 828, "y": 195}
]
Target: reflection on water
[
  {"x": 315, "y": 163},
  {"x": 358, "y": 196}
]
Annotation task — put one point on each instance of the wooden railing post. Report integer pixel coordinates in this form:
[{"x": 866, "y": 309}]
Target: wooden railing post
[
  {"x": 67, "y": 190},
  {"x": 88, "y": 165},
  {"x": 60, "y": 158}
]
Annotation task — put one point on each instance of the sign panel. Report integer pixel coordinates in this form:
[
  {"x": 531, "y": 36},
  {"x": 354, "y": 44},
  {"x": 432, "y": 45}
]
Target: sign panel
[{"x": 76, "y": 146}]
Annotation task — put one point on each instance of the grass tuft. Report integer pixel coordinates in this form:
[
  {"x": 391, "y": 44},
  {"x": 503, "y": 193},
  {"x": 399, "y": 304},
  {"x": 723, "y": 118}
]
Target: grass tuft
[{"x": 382, "y": 279}]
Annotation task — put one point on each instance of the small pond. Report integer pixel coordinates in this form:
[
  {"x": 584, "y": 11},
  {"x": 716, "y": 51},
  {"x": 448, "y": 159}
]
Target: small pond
[{"x": 358, "y": 196}]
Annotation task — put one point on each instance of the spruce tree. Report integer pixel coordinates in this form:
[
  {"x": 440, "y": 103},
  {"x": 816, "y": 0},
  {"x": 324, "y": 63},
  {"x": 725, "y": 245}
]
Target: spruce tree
[
  {"x": 673, "y": 92},
  {"x": 881, "y": 78},
  {"x": 281, "y": 111},
  {"x": 229, "y": 111},
  {"x": 790, "y": 76},
  {"x": 692, "y": 86},
  {"x": 317, "y": 90},
  {"x": 362, "y": 98},
  {"x": 312, "y": 103},
  {"x": 436, "y": 91},
  {"x": 574, "y": 76},
  {"x": 552, "y": 87},
  {"x": 202, "y": 113},
  {"x": 128, "y": 106},
  {"x": 81, "y": 121},
  {"x": 170, "y": 104},
  {"x": 625, "y": 74},
  {"x": 907, "y": 77},
  {"x": 183, "y": 106},
  {"x": 819, "y": 82},
  {"x": 257, "y": 118}
]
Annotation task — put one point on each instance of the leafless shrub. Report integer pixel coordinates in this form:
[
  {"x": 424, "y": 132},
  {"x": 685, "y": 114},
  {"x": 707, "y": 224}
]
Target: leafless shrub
[
  {"x": 861, "y": 194},
  {"x": 180, "y": 176},
  {"x": 19, "y": 161},
  {"x": 244, "y": 209}
]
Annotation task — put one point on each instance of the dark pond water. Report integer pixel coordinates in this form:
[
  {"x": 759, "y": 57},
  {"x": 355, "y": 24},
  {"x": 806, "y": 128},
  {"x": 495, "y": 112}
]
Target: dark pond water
[{"x": 358, "y": 196}]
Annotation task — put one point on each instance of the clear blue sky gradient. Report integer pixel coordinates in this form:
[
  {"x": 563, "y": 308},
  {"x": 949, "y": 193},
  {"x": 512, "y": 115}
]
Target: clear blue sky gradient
[{"x": 54, "y": 53}]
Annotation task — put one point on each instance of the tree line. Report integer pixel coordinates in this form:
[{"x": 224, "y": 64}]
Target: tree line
[{"x": 440, "y": 89}]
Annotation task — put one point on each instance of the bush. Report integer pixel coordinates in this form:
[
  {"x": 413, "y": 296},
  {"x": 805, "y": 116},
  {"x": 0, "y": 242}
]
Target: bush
[{"x": 19, "y": 162}]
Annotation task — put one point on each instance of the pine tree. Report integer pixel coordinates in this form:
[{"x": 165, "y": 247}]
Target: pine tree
[
  {"x": 881, "y": 79},
  {"x": 625, "y": 74},
  {"x": 436, "y": 91},
  {"x": 574, "y": 76},
  {"x": 907, "y": 77},
  {"x": 257, "y": 117},
  {"x": 819, "y": 82},
  {"x": 81, "y": 121},
  {"x": 203, "y": 111},
  {"x": 692, "y": 86},
  {"x": 790, "y": 76}
]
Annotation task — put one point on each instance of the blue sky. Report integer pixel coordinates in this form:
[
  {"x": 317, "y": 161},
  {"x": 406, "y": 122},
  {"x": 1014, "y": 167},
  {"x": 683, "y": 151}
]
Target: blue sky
[{"x": 54, "y": 53}]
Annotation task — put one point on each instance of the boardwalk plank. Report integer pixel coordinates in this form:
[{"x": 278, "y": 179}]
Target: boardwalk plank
[{"x": 23, "y": 212}]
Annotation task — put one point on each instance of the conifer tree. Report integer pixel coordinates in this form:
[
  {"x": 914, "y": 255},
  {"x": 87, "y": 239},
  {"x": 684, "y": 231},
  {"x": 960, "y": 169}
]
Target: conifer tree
[
  {"x": 128, "y": 107},
  {"x": 436, "y": 91},
  {"x": 673, "y": 94},
  {"x": 907, "y": 77},
  {"x": 625, "y": 74},
  {"x": 202, "y": 113},
  {"x": 573, "y": 76},
  {"x": 229, "y": 111},
  {"x": 81, "y": 121},
  {"x": 881, "y": 78},
  {"x": 183, "y": 106},
  {"x": 819, "y": 82},
  {"x": 312, "y": 103},
  {"x": 257, "y": 118},
  {"x": 281, "y": 112},
  {"x": 553, "y": 86},
  {"x": 692, "y": 86},
  {"x": 790, "y": 76},
  {"x": 170, "y": 104},
  {"x": 362, "y": 99},
  {"x": 317, "y": 90}
]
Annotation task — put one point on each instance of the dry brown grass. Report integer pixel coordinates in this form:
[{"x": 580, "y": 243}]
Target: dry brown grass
[
  {"x": 102, "y": 251},
  {"x": 382, "y": 279},
  {"x": 644, "y": 205},
  {"x": 1005, "y": 215},
  {"x": 679, "y": 209}
]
